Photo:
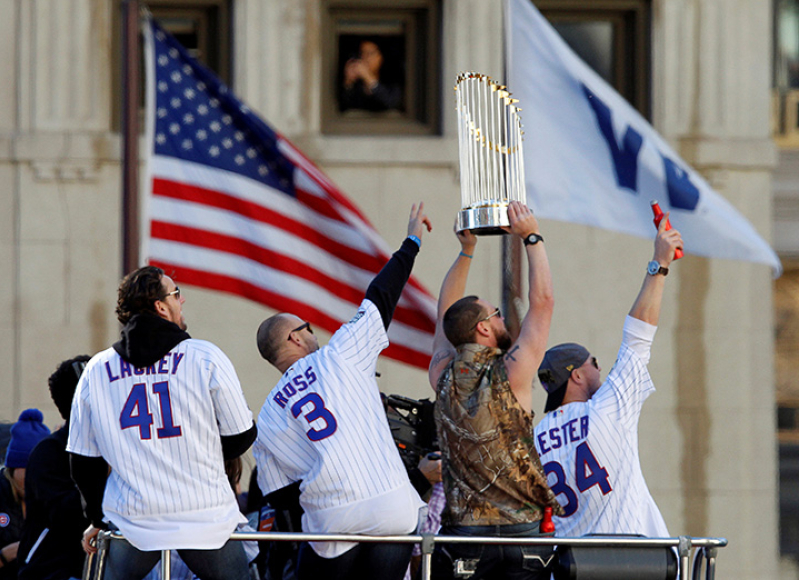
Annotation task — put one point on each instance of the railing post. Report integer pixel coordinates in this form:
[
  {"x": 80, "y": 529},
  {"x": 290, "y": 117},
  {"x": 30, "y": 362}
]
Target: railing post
[
  {"x": 428, "y": 545},
  {"x": 166, "y": 564},
  {"x": 711, "y": 562},
  {"x": 87, "y": 567},
  {"x": 684, "y": 550},
  {"x": 103, "y": 544}
]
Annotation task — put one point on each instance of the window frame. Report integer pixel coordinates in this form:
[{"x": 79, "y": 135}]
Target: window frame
[
  {"x": 422, "y": 19},
  {"x": 632, "y": 41}
]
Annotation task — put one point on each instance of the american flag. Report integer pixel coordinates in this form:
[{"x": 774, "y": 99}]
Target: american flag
[{"x": 235, "y": 207}]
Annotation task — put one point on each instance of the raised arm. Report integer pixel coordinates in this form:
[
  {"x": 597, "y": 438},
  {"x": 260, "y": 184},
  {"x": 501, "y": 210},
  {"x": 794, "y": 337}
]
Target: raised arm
[
  {"x": 525, "y": 355},
  {"x": 452, "y": 289},
  {"x": 647, "y": 304},
  {"x": 385, "y": 289}
]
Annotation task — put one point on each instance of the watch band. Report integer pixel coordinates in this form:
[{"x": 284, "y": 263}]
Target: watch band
[
  {"x": 653, "y": 268},
  {"x": 533, "y": 239}
]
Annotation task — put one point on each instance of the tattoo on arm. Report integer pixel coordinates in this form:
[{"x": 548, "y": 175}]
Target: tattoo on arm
[
  {"x": 439, "y": 356},
  {"x": 509, "y": 354}
]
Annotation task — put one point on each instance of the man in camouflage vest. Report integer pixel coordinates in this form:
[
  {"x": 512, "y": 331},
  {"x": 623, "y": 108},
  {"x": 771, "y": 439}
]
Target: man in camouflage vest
[{"x": 494, "y": 482}]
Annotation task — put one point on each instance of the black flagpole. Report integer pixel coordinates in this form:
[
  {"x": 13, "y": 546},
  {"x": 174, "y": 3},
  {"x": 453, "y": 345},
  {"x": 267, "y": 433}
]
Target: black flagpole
[{"x": 130, "y": 135}]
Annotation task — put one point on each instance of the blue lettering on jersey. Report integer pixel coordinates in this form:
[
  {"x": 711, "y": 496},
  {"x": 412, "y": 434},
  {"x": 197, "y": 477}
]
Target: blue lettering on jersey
[
  {"x": 280, "y": 400},
  {"x": 111, "y": 377},
  {"x": 176, "y": 358},
  {"x": 161, "y": 367},
  {"x": 570, "y": 432},
  {"x": 542, "y": 444},
  {"x": 302, "y": 382}
]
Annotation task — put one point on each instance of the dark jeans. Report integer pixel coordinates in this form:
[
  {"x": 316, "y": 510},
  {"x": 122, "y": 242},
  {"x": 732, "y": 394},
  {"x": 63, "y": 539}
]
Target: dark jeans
[
  {"x": 492, "y": 561},
  {"x": 366, "y": 561},
  {"x": 128, "y": 563}
]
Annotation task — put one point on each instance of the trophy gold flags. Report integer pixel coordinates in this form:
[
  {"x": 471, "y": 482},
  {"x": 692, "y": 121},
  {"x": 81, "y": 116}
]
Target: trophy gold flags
[{"x": 490, "y": 151}]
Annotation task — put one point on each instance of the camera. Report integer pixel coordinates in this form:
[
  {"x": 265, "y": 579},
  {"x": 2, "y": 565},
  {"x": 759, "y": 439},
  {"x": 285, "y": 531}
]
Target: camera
[{"x": 413, "y": 427}]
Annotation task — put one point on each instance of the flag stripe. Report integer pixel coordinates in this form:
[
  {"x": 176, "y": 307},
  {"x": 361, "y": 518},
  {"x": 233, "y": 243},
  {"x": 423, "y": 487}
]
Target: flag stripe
[
  {"x": 279, "y": 261},
  {"x": 259, "y": 213},
  {"x": 259, "y": 194},
  {"x": 327, "y": 255},
  {"x": 414, "y": 356},
  {"x": 271, "y": 279}
]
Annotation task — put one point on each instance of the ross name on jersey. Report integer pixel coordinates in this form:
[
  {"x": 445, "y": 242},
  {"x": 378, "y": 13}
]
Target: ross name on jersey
[
  {"x": 294, "y": 385},
  {"x": 167, "y": 365},
  {"x": 570, "y": 432}
]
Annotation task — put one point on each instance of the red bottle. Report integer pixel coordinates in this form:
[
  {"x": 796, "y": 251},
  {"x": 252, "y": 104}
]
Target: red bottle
[
  {"x": 547, "y": 525},
  {"x": 659, "y": 215}
]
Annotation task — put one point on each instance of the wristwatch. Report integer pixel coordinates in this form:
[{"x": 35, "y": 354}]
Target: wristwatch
[
  {"x": 533, "y": 239},
  {"x": 654, "y": 268}
]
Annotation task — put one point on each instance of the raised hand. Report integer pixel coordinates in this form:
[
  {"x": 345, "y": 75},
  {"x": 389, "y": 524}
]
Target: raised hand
[{"x": 418, "y": 221}]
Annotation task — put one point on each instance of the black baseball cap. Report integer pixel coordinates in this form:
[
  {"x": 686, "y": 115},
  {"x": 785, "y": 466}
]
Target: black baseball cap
[{"x": 556, "y": 368}]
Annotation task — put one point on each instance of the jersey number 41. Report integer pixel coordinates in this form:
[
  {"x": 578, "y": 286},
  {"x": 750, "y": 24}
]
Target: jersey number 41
[{"x": 136, "y": 412}]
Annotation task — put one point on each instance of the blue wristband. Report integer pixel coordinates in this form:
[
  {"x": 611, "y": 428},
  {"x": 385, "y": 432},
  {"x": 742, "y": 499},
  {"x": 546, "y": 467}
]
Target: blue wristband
[{"x": 416, "y": 239}]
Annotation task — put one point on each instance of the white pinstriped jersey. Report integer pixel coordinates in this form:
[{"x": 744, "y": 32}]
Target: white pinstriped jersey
[
  {"x": 590, "y": 450},
  {"x": 324, "y": 424},
  {"x": 159, "y": 429}
]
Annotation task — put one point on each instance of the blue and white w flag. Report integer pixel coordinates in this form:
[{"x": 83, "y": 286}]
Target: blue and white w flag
[{"x": 591, "y": 158}]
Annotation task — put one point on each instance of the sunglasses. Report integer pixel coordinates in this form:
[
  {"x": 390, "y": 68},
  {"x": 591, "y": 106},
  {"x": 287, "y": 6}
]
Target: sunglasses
[
  {"x": 496, "y": 312},
  {"x": 594, "y": 362},
  {"x": 300, "y": 327},
  {"x": 175, "y": 293}
]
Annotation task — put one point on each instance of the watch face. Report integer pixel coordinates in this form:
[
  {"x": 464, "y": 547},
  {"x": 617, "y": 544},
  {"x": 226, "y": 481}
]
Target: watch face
[{"x": 653, "y": 267}]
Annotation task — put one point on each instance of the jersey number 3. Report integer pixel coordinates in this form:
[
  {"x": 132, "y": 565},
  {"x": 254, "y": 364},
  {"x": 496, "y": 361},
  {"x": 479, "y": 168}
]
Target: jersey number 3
[
  {"x": 588, "y": 473},
  {"x": 136, "y": 412}
]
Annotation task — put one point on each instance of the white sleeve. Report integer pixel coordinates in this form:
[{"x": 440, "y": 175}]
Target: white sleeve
[
  {"x": 628, "y": 383},
  {"x": 81, "y": 437},
  {"x": 638, "y": 336},
  {"x": 230, "y": 406},
  {"x": 362, "y": 339}
]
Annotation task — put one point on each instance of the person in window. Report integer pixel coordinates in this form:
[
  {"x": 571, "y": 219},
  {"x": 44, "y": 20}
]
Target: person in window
[{"x": 362, "y": 87}]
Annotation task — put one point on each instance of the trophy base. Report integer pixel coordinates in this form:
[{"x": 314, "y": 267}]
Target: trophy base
[{"x": 484, "y": 221}]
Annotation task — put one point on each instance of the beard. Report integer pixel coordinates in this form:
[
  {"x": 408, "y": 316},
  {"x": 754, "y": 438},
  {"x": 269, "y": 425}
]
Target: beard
[{"x": 504, "y": 341}]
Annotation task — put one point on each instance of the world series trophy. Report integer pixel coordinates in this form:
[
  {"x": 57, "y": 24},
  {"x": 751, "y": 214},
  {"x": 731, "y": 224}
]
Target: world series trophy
[{"x": 490, "y": 151}]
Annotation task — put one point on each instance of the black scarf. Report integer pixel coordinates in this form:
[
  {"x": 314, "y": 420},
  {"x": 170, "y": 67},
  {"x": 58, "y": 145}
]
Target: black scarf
[{"x": 147, "y": 337}]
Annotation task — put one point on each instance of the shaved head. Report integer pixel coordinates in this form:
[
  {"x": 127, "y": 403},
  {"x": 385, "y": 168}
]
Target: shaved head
[{"x": 272, "y": 335}]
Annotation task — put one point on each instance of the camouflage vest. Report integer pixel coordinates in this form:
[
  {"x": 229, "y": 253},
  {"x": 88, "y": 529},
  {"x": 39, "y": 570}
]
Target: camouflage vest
[{"x": 491, "y": 470}]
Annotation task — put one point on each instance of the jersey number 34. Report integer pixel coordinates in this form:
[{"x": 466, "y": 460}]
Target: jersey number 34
[{"x": 588, "y": 473}]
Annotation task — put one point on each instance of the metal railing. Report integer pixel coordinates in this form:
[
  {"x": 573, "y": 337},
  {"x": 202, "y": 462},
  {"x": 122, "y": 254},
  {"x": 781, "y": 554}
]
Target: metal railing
[{"x": 706, "y": 549}]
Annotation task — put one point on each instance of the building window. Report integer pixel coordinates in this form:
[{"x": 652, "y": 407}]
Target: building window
[
  {"x": 785, "y": 73},
  {"x": 611, "y": 36},
  {"x": 203, "y": 27},
  {"x": 381, "y": 67}
]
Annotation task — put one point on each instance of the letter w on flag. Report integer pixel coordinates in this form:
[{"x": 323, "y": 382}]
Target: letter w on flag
[
  {"x": 590, "y": 158},
  {"x": 235, "y": 207}
]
